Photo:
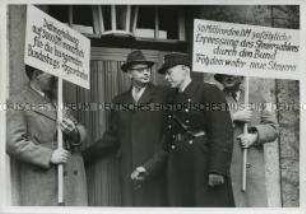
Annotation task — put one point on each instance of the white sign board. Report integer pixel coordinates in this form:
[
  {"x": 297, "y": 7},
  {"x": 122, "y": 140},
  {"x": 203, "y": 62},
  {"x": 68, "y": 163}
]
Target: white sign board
[
  {"x": 242, "y": 49},
  {"x": 55, "y": 48}
]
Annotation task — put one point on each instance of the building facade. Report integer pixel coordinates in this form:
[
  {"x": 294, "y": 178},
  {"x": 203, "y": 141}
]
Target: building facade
[{"x": 114, "y": 32}]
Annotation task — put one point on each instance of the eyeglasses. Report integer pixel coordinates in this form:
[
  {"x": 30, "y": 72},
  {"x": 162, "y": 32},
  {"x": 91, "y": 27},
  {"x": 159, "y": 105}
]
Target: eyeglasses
[{"x": 141, "y": 69}]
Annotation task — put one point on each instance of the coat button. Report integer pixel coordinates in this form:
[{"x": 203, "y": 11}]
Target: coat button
[
  {"x": 75, "y": 172},
  {"x": 187, "y": 121},
  {"x": 191, "y": 142},
  {"x": 173, "y": 136},
  {"x": 187, "y": 110},
  {"x": 189, "y": 100},
  {"x": 169, "y": 126},
  {"x": 169, "y": 116},
  {"x": 172, "y": 146}
]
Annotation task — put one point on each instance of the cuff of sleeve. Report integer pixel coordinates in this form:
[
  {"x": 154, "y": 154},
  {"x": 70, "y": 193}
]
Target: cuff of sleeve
[
  {"x": 223, "y": 173},
  {"x": 82, "y": 133},
  {"x": 148, "y": 167},
  {"x": 46, "y": 158},
  {"x": 264, "y": 134}
]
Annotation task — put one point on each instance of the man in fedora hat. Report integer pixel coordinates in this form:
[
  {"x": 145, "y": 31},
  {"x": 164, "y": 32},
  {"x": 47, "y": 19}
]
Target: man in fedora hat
[
  {"x": 136, "y": 132},
  {"x": 263, "y": 128},
  {"x": 198, "y": 140}
]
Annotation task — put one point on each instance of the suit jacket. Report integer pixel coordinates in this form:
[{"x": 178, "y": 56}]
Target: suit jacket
[
  {"x": 265, "y": 123},
  {"x": 135, "y": 133},
  {"x": 31, "y": 139}
]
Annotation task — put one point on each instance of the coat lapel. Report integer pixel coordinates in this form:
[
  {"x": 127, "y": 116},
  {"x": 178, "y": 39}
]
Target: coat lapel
[
  {"x": 41, "y": 105},
  {"x": 148, "y": 94},
  {"x": 191, "y": 88},
  {"x": 128, "y": 97}
]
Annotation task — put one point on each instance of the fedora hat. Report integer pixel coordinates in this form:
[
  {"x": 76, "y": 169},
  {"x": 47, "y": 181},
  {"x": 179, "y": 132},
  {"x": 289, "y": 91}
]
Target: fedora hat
[
  {"x": 174, "y": 59},
  {"x": 135, "y": 57}
]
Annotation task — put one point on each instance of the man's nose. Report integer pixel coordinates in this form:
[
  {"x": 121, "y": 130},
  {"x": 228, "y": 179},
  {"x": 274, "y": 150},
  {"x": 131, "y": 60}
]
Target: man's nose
[
  {"x": 147, "y": 72},
  {"x": 167, "y": 77}
]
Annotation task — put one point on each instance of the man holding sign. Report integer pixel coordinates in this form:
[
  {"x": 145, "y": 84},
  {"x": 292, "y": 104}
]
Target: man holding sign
[
  {"x": 262, "y": 129},
  {"x": 32, "y": 145}
]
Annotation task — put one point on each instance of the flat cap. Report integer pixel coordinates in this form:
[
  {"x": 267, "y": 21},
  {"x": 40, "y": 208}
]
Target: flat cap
[{"x": 174, "y": 59}]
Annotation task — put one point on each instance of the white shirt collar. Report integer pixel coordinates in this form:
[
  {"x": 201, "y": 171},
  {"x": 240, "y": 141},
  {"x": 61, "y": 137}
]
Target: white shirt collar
[
  {"x": 137, "y": 93},
  {"x": 184, "y": 85}
]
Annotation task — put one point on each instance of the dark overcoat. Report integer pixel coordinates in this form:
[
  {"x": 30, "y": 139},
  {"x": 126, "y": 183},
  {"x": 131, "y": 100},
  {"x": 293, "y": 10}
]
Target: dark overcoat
[
  {"x": 31, "y": 130},
  {"x": 190, "y": 160},
  {"x": 136, "y": 133},
  {"x": 264, "y": 122}
]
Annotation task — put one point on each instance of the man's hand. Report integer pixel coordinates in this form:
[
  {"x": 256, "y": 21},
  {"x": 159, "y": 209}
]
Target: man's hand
[
  {"x": 243, "y": 115},
  {"x": 215, "y": 180},
  {"x": 247, "y": 140},
  {"x": 139, "y": 174},
  {"x": 59, "y": 156},
  {"x": 67, "y": 126},
  {"x": 70, "y": 129}
]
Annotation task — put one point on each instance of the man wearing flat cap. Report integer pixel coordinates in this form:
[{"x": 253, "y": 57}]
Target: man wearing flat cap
[
  {"x": 135, "y": 133},
  {"x": 198, "y": 140}
]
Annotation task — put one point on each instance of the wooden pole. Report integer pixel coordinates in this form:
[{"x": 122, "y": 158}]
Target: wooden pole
[
  {"x": 61, "y": 201},
  {"x": 245, "y": 131}
]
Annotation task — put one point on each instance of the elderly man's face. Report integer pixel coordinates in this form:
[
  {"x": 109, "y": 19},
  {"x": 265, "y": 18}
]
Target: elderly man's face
[
  {"x": 176, "y": 75},
  {"x": 46, "y": 82},
  {"x": 231, "y": 81},
  {"x": 140, "y": 73}
]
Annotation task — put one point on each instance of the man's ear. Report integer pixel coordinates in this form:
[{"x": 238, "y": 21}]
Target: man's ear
[
  {"x": 35, "y": 74},
  {"x": 186, "y": 69},
  {"x": 129, "y": 74}
]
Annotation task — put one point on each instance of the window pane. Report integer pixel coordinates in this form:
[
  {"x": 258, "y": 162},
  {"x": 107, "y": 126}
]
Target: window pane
[
  {"x": 106, "y": 12},
  {"x": 121, "y": 11},
  {"x": 168, "y": 22},
  {"x": 133, "y": 14},
  {"x": 82, "y": 15},
  {"x": 59, "y": 12},
  {"x": 146, "y": 17}
]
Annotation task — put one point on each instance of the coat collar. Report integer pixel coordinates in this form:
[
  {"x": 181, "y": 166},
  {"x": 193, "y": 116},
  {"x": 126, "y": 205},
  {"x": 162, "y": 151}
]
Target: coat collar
[
  {"x": 38, "y": 103},
  {"x": 146, "y": 97},
  {"x": 192, "y": 88},
  {"x": 148, "y": 94}
]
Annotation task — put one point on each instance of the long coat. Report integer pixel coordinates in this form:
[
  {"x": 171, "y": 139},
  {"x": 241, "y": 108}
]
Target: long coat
[
  {"x": 190, "y": 160},
  {"x": 135, "y": 132},
  {"x": 31, "y": 131},
  {"x": 264, "y": 122}
]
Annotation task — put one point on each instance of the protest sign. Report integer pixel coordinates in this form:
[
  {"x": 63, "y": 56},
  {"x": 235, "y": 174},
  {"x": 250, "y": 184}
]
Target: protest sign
[
  {"x": 245, "y": 49},
  {"x": 55, "y": 48}
]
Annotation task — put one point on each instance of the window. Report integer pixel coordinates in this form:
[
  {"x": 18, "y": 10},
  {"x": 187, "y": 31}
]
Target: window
[
  {"x": 78, "y": 17},
  {"x": 118, "y": 20},
  {"x": 161, "y": 22},
  {"x": 143, "y": 22}
]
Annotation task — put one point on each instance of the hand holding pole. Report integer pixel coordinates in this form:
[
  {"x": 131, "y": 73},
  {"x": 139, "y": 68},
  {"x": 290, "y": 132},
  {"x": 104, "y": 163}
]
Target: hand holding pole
[{"x": 245, "y": 131}]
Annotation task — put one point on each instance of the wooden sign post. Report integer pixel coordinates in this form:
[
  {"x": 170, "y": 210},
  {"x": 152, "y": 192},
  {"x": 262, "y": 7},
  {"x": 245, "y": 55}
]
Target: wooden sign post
[
  {"x": 245, "y": 131},
  {"x": 60, "y": 167}
]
